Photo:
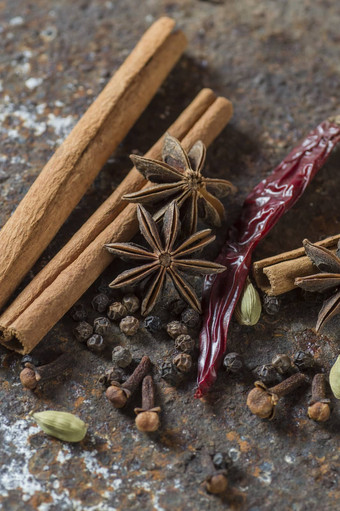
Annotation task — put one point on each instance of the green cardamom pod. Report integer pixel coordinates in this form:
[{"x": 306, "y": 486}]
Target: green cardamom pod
[
  {"x": 248, "y": 308},
  {"x": 62, "y": 425},
  {"x": 334, "y": 378}
]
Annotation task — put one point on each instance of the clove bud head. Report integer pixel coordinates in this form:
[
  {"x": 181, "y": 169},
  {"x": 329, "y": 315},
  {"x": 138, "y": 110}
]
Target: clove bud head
[
  {"x": 319, "y": 411},
  {"x": 147, "y": 421},
  {"x": 261, "y": 403},
  {"x": 218, "y": 483},
  {"x": 117, "y": 396},
  {"x": 28, "y": 378}
]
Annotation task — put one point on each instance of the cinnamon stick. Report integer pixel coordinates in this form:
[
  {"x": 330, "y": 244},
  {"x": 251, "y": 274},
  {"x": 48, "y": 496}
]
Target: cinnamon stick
[
  {"x": 26, "y": 331},
  {"x": 275, "y": 275},
  {"x": 76, "y": 163}
]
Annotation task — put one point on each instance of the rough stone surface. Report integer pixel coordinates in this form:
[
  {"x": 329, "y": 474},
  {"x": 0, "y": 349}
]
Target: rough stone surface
[{"x": 279, "y": 64}]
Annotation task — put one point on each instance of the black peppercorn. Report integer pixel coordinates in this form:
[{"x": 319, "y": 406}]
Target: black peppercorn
[
  {"x": 282, "y": 363},
  {"x": 96, "y": 343},
  {"x": 271, "y": 304},
  {"x": 184, "y": 343},
  {"x": 153, "y": 323},
  {"x": 129, "y": 325},
  {"x": 183, "y": 362},
  {"x": 30, "y": 359},
  {"x": 100, "y": 302},
  {"x": 121, "y": 356},
  {"x": 176, "y": 328},
  {"x": 117, "y": 311},
  {"x": 303, "y": 360},
  {"x": 113, "y": 374},
  {"x": 78, "y": 312},
  {"x": 169, "y": 372},
  {"x": 131, "y": 302},
  {"x": 191, "y": 318},
  {"x": 266, "y": 373},
  {"x": 102, "y": 326},
  {"x": 83, "y": 331},
  {"x": 233, "y": 363}
]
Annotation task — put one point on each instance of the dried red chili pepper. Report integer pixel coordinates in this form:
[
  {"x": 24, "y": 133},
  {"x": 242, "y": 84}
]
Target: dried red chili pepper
[{"x": 263, "y": 207}]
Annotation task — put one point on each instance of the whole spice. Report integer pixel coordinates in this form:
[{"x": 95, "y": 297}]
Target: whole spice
[
  {"x": 329, "y": 278},
  {"x": 111, "y": 375},
  {"x": 303, "y": 360},
  {"x": 118, "y": 393},
  {"x": 282, "y": 363},
  {"x": 183, "y": 362},
  {"x": 184, "y": 343},
  {"x": 78, "y": 312},
  {"x": 216, "y": 482},
  {"x": 31, "y": 375},
  {"x": 266, "y": 373},
  {"x": 248, "y": 308},
  {"x": 72, "y": 169},
  {"x": 131, "y": 302},
  {"x": 176, "y": 328},
  {"x": 62, "y": 425},
  {"x": 153, "y": 323},
  {"x": 121, "y": 356},
  {"x": 262, "y": 401},
  {"x": 276, "y": 275},
  {"x": 334, "y": 378},
  {"x": 164, "y": 260},
  {"x": 191, "y": 318},
  {"x": 319, "y": 409},
  {"x": 233, "y": 363},
  {"x": 129, "y": 325},
  {"x": 102, "y": 326},
  {"x": 179, "y": 177},
  {"x": 147, "y": 419},
  {"x": 169, "y": 373},
  {"x": 261, "y": 210},
  {"x": 117, "y": 311},
  {"x": 96, "y": 343},
  {"x": 83, "y": 331},
  {"x": 100, "y": 302},
  {"x": 70, "y": 273},
  {"x": 271, "y": 304}
]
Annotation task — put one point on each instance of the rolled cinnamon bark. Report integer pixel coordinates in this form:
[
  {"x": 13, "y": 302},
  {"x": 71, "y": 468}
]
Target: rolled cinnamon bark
[
  {"x": 105, "y": 214},
  {"x": 71, "y": 170},
  {"x": 275, "y": 275},
  {"x": 26, "y": 331}
]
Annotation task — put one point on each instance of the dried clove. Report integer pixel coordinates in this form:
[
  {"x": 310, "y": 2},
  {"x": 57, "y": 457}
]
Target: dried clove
[
  {"x": 119, "y": 394},
  {"x": 147, "y": 419},
  {"x": 319, "y": 409},
  {"x": 216, "y": 482},
  {"x": 262, "y": 401},
  {"x": 31, "y": 375}
]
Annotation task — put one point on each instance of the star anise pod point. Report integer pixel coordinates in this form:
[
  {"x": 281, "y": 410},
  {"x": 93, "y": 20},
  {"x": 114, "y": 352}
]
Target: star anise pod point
[{"x": 164, "y": 259}]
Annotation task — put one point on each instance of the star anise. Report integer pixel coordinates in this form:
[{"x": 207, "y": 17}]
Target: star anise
[
  {"x": 179, "y": 178},
  {"x": 164, "y": 260},
  {"x": 329, "y": 278}
]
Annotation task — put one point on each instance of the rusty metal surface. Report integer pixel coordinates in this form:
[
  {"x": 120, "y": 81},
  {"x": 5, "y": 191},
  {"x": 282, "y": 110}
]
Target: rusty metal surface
[{"x": 279, "y": 64}]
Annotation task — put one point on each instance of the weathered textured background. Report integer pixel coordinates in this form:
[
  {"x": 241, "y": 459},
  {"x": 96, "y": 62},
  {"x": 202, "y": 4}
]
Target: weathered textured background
[{"x": 279, "y": 64}]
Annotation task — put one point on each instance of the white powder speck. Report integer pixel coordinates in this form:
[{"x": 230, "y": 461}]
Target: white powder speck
[
  {"x": 16, "y": 21},
  {"x": 61, "y": 125},
  {"x": 33, "y": 83}
]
